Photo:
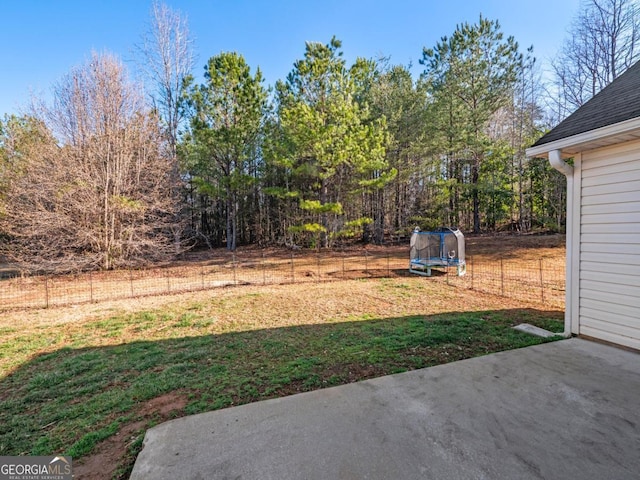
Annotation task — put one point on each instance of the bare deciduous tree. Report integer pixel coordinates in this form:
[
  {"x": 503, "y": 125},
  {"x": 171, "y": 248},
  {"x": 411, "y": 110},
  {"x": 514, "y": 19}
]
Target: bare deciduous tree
[
  {"x": 97, "y": 192},
  {"x": 168, "y": 59},
  {"x": 602, "y": 43}
]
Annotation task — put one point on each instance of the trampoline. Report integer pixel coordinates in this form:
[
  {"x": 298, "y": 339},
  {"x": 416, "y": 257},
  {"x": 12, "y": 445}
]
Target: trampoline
[{"x": 443, "y": 247}]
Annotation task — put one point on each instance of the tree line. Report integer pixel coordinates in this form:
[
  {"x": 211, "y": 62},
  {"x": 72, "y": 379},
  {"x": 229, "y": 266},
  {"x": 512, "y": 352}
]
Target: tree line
[{"x": 106, "y": 177}]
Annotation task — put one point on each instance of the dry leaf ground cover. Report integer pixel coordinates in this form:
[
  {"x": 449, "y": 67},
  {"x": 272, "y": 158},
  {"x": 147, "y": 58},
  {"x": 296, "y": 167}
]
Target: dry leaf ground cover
[{"x": 88, "y": 380}]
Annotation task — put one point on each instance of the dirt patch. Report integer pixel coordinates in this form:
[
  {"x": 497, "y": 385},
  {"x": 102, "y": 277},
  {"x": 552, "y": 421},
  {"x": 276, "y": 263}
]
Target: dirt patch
[
  {"x": 165, "y": 404},
  {"x": 108, "y": 456},
  {"x": 521, "y": 247},
  {"x": 103, "y": 463}
]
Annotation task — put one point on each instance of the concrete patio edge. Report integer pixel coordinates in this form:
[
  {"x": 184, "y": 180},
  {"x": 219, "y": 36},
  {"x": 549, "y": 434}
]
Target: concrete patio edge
[{"x": 566, "y": 409}]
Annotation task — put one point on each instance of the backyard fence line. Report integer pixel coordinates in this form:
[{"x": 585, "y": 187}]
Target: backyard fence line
[{"x": 540, "y": 281}]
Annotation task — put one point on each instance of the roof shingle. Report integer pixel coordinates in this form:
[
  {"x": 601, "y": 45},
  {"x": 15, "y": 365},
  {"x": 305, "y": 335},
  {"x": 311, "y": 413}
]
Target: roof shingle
[{"x": 617, "y": 102}]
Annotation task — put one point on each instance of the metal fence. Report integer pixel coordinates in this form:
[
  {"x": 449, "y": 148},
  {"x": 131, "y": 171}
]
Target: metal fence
[{"x": 540, "y": 281}]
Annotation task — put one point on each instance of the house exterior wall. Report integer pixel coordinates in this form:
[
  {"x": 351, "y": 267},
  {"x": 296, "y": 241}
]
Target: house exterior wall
[{"x": 609, "y": 244}]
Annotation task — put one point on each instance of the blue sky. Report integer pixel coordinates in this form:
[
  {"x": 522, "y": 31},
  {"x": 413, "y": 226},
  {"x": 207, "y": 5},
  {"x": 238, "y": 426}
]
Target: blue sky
[{"x": 41, "y": 40}]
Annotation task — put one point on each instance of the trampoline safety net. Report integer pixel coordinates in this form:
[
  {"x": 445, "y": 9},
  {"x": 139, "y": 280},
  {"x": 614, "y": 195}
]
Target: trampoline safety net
[{"x": 443, "y": 247}]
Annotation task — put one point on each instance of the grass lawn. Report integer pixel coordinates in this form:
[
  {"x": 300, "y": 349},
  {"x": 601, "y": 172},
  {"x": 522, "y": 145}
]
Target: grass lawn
[{"x": 87, "y": 381}]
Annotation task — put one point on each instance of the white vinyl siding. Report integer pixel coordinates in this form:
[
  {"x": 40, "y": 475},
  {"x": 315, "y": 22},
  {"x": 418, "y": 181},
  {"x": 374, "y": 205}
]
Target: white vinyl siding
[{"x": 609, "y": 300}]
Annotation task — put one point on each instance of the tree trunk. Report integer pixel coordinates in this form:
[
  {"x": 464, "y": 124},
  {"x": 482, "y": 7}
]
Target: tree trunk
[
  {"x": 475, "y": 174},
  {"x": 229, "y": 223},
  {"x": 378, "y": 229}
]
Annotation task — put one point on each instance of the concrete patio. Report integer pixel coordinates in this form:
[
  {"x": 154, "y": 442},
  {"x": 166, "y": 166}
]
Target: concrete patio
[{"x": 563, "y": 410}]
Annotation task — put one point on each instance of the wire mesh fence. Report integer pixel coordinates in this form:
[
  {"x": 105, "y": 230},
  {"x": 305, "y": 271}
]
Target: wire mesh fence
[{"x": 540, "y": 281}]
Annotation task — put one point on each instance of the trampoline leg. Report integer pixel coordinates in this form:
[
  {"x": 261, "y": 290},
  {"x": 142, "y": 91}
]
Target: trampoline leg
[{"x": 425, "y": 273}]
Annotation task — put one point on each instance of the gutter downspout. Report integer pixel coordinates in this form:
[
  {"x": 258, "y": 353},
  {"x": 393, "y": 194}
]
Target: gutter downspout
[{"x": 555, "y": 159}]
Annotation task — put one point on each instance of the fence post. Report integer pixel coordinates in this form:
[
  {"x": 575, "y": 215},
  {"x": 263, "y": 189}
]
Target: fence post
[
  {"x": 471, "y": 261},
  {"x": 90, "y": 287},
  {"x": 502, "y": 277},
  {"x": 343, "y": 268},
  {"x": 202, "y": 276},
  {"x": 293, "y": 273},
  {"x": 318, "y": 265},
  {"x": 233, "y": 264},
  {"x": 388, "y": 266},
  {"x": 46, "y": 291},
  {"x": 541, "y": 282},
  {"x": 366, "y": 262},
  {"x": 264, "y": 270},
  {"x": 166, "y": 272}
]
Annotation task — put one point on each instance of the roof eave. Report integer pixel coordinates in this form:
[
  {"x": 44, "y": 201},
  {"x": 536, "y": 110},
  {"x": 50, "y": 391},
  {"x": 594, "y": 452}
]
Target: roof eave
[{"x": 600, "y": 137}]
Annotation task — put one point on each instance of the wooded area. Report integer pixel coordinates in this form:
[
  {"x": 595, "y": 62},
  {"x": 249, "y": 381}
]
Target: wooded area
[{"x": 106, "y": 177}]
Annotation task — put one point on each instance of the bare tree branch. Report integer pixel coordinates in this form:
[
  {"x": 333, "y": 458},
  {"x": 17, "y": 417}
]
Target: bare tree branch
[
  {"x": 601, "y": 44},
  {"x": 167, "y": 59},
  {"x": 97, "y": 189}
]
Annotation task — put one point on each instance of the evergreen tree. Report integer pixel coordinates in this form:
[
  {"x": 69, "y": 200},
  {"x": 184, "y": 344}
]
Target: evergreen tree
[
  {"x": 403, "y": 103},
  {"x": 329, "y": 148},
  {"x": 223, "y": 145},
  {"x": 475, "y": 71}
]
